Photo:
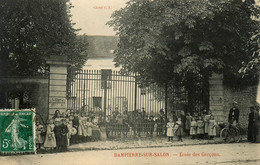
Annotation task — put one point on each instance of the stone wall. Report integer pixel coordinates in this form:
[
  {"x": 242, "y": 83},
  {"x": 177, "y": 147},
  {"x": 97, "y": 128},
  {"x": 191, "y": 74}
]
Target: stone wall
[
  {"x": 245, "y": 99},
  {"x": 221, "y": 99},
  {"x": 40, "y": 101},
  {"x": 38, "y": 88}
]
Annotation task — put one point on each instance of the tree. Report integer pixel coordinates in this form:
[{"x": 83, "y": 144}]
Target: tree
[
  {"x": 165, "y": 39},
  {"x": 33, "y": 30},
  {"x": 183, "y": 42}
]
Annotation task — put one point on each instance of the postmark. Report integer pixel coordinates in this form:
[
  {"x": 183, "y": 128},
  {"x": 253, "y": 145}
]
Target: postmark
[{"x": 17, "y": 131}]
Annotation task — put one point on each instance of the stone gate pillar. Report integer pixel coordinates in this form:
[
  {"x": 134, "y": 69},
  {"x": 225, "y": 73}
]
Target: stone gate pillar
[
  {"x": 258, "y": 92},
  {"x": 216, "y": 96},
  {"x": 57, "y": 84}
]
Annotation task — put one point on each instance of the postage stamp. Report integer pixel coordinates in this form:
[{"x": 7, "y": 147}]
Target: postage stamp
[{"x": 17, "y": 131}]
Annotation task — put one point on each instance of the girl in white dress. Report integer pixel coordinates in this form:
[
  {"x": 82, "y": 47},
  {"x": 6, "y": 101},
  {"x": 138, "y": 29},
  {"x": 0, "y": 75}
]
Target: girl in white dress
[
  {"x": 50, "y": 141},
  {"x": 170, "y": 131},
  {"x": 193, "y": 128},
  {"x": 212, "y": 127},
  {"x": 38, "y": 138}
]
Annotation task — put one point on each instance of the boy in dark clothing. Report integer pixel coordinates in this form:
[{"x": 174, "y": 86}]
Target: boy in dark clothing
[
  {"x": 151, "y": 126},
  {"x": 179, "y": 131},
  {"x": 64, "y": 140},
  {"x": 75, "y": 124},
  {"x": 57, "y": 132}
]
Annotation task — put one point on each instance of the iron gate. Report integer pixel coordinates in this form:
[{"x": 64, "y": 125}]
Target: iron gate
[{"x": 104, "y": 91}]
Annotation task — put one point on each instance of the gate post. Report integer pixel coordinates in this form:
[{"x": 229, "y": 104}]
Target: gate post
[
  {"x": 258, "y": 92},
  {"x": 216, "y": 94},
  {"x": 166, "y": 104},
  {"x": 57, "y": 84},
  {"x": 105, "y": 101},
  {"x": 106, "y": 74},
  {"x": 135, "y": 94}
]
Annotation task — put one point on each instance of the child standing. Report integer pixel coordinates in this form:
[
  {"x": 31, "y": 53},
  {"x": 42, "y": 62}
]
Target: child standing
[
  {"x": 169, "y": 127},
  {"x": 200, "y": 128},
  {"x": 84, "y": 121},
  {"x": 206, "y": 126},
  {"x": 89, "y": 126},
  {"x": 69, "y": 125},
  {"x": 193, "y": 127},
  {"x": 155, "y": 128},
  {"x": 81, "y": 129},
  {"x": 179, "y": 131},
  {"x": 75, "y": 124},
  {"x": 50, "y": 141},
  {"x": 64, "y": 132},
  {"x": 38, "y": 139},
  {"x": 187, "y": 123},
  {"x": 57, "y": 133},
  {"x": 212, "y": 127}
]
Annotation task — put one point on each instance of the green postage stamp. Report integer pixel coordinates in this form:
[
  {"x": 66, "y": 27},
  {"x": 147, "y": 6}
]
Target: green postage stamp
[{"x": 17, "y": 131}]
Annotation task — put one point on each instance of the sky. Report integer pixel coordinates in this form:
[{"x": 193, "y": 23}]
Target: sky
[{"x": 92, "y": 15}]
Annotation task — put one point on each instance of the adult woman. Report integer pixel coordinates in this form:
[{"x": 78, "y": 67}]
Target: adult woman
[{"x": 257, "y": 124}]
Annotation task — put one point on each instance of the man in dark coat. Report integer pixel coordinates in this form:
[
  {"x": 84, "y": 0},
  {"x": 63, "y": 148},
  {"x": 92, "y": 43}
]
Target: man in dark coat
[
  {"x": 250, "y": 133},
  {"x": 233, "y": 114},
  {"x": 255, "y": 136}
]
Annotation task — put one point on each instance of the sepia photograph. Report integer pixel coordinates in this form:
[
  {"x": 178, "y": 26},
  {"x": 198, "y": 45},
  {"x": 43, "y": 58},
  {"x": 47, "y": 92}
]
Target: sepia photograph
[{"x": 129, "y": 82}]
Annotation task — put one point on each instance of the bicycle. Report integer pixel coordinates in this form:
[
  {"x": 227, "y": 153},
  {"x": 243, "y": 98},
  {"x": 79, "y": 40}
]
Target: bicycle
[{"x": 230, "y": 132}]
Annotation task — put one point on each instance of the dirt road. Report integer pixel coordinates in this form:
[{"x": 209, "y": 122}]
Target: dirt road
[{"x": 222, "y": 154}]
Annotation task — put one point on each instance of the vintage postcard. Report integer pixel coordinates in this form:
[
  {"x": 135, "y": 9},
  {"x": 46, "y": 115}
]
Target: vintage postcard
[{"x": 126, "y": 82}]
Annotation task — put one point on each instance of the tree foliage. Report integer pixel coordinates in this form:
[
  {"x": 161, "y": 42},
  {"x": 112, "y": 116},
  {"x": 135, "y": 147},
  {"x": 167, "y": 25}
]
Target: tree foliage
[
  {"x": 183, "y": 42},
  {"x": 33, "y": 30}
]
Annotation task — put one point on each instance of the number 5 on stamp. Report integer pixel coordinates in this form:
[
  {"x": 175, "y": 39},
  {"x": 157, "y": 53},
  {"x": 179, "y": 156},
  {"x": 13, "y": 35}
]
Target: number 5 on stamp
[{"x": 17, "y": 131}]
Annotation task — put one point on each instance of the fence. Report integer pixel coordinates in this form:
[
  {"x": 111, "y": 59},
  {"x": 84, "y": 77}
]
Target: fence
[
  {"x": 105, "y": 91},
  {"x": 146, "y": 128}
]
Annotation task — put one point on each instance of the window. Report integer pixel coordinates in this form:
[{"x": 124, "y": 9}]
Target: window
[{"x": 97, "y": 102}]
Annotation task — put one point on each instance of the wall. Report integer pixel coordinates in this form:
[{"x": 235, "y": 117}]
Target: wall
[
  {"x": 245, "y": 99},
  {"x": 38, "y": 87},
  {"x": 222, "y": 97},
  {"x": 40, "y": 100}
]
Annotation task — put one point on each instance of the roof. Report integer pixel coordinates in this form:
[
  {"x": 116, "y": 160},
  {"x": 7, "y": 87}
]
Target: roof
[{"x": 101, "y": 46}]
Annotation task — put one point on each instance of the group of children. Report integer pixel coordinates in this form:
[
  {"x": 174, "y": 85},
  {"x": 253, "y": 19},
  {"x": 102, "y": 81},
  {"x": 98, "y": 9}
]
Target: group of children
[
  {"x": 63, "y": 130},
  {"x": 201, "y": 127}
]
